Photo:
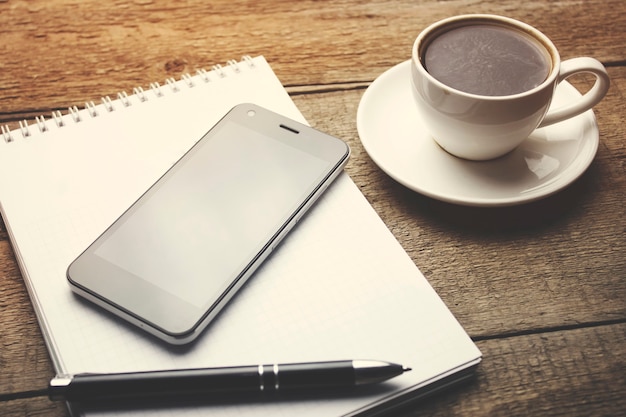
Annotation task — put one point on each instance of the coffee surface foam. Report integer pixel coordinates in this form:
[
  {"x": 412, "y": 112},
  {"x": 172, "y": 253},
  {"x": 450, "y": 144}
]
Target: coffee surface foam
[{"x": 487, "y": 60}]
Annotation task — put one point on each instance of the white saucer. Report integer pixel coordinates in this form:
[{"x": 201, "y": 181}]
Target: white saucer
[{"x": 393, "y": 136}]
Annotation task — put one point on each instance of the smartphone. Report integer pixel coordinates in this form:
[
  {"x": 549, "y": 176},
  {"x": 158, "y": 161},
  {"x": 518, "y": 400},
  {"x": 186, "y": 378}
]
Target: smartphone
[{"x": 175, "y": 258}]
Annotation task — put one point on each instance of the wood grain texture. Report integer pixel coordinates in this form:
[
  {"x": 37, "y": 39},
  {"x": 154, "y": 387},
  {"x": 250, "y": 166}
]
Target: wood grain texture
[
  {"x": 66, "y": 52},
  {"x": 574, "y": 373},
  {"x": 34, "y": 407},
  {"x": 540, "y": 287},
  {"x": 570, "y": 373}
]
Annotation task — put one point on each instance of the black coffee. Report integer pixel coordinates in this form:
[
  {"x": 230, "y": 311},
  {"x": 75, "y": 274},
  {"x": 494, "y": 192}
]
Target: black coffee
[{"x": 487, "y": 60}]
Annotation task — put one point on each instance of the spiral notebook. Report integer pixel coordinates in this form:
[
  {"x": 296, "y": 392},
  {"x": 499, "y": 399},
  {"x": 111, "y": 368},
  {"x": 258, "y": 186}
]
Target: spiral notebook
[{"x": 339, "y": 287}]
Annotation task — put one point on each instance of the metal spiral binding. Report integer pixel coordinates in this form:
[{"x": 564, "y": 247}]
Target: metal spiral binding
[
  {"x": 107, "y": 103},
  {"x": 219, "y": 70},
  {"x": 188, "y": 80},
  {"x": 41, "y": 123},
  {"x": 73, "y": 111},
  {"x": 156, "y": 89},
  {"x": 139, "y": 93},
  {"x": 92, "y": 109},
  {"x": 202, "y": 73},
  {"x": 58, "y": 118},
  {"x": 24, "y": 128},
  {"x": 6, "y": 133},
  {"x": 123, "y": 97},
  {"x": 90, "y": 106},
  {"x": 171, "y": 83}
]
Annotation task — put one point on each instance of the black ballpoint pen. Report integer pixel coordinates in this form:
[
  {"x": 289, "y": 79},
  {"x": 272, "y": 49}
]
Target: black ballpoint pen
[{"x": 207, "y": 381}]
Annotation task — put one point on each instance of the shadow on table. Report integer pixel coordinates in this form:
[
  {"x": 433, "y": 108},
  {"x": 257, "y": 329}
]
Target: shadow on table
[{"x": 555, "y": 209}]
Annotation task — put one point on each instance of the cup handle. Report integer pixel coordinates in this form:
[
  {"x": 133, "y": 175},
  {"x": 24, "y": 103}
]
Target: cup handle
[{"x": 590, "y": 98}]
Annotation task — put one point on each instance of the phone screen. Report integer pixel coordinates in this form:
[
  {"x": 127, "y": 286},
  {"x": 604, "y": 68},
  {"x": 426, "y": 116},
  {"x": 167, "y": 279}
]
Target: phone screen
[{"x": 244, "y": 185}]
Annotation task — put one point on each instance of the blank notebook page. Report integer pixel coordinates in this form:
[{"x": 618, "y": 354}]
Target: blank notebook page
[{"x": 338, "y": 287}]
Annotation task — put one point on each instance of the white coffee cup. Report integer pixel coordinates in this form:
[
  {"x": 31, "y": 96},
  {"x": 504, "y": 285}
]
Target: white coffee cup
[{"x": 477, "y": 126}]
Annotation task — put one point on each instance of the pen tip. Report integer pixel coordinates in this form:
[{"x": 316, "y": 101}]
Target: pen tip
[{"x": 406, "y": 369}]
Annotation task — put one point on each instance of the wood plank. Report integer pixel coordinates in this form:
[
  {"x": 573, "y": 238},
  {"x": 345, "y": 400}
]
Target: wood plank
[
  {"x": 567, "y": 373},
  {"x": 63, "y": 53},
  {"x": 573, "y": 373},
  {"x": 33, "y": 407}
]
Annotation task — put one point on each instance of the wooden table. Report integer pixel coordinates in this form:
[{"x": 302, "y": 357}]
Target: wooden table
[{"x": 541, "y": 287}]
